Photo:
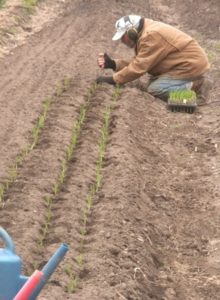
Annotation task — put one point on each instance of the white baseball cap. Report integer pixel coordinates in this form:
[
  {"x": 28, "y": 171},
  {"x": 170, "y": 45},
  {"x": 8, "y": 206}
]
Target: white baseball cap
[{"x": 124, "y": 23}]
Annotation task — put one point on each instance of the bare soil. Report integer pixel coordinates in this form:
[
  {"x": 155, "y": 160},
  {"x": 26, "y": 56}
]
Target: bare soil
[{"x": 153, "y": 228}]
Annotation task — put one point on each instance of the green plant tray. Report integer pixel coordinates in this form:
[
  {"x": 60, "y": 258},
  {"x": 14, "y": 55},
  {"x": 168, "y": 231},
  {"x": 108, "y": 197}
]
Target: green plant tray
[{"x": 181, "y": 106}]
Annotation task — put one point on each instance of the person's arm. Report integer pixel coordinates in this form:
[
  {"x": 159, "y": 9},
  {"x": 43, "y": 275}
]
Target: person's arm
[
  {"x": 152, "y": 50},
  {"x": 121, "y": 64},
  {"x": 105, "y": 62},
  {"x": 105, "y": 79}
]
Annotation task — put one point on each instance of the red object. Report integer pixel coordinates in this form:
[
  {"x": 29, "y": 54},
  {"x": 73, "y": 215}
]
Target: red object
[{"x": 29, "y": 286}]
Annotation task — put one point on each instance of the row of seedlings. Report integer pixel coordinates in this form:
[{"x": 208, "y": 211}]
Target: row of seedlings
[
  {"x": 48, "y": 200},
  {"x": 13, "y": 169},
  {"x": 93, "y": 189}
]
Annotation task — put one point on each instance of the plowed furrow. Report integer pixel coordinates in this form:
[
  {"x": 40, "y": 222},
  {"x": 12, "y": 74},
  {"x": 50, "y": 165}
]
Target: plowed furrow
[
  {"x": 124, "y": 256},
  {"x": 39, "y": 172},
  {"x": 69, "y": 207},
  {"x": 37, "y": 68}
]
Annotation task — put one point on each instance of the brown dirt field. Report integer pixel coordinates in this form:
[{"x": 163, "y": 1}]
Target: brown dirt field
[{"x": 152, "y": 229}]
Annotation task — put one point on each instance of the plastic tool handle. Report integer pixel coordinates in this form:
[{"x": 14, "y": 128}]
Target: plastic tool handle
[
  {"x": 49, "y": 268},
  {"x": 29, "y": 286}
]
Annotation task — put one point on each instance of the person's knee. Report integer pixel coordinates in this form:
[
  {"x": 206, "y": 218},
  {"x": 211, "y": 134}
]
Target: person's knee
[{"x": 155, "y": 90}]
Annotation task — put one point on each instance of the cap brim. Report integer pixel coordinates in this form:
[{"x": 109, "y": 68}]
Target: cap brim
[{"x": 118, "y": 35}]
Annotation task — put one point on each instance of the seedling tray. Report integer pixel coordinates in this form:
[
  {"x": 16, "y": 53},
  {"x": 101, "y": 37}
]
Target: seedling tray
[{"x": 182, "y": 101}]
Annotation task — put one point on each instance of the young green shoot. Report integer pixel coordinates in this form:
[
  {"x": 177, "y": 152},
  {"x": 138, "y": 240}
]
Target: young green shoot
[
  {"x": 184, "y": 96},
  {"x": 2, "y": 3},
  {"x": 29, "y": 4},
  {"x": 73, "y": 280},
  {"x": 79, "y": 259}
]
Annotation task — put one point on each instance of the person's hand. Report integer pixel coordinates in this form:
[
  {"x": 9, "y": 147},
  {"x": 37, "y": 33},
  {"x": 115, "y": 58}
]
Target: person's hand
[
  {"x": 105, "y": 79},
  {"x": 101, "y": 60},
  {"x": 105, "y": 62}
]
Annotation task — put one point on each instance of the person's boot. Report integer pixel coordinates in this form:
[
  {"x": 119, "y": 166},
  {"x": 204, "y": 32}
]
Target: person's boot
[{"x": 202, "y": 88}]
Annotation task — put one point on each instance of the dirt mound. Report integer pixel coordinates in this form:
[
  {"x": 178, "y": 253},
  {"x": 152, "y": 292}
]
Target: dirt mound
[
  {"x": 201, "y": 16},
  {"x": 131, "y": 187}
]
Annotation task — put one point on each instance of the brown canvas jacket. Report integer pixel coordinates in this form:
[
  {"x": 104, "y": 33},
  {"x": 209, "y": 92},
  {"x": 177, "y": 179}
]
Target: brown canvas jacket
[{"x": 163, "y": 50}]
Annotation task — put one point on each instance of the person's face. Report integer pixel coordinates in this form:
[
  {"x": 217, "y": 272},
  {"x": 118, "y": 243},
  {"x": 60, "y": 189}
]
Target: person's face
[{"x": 127, "y": 41}]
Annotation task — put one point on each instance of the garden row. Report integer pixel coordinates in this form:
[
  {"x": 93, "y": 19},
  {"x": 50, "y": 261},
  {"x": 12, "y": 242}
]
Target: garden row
[{"x": 53, "y": 180}]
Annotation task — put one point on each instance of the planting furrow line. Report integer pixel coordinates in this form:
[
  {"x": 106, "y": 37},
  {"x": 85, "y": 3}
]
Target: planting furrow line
[
  {"x": 73, "y": 207},
  {"x": 86, "y": 215},
  {"x": 45, "y": 223},
  {"x": 55, "y": 184},
  {"x": 39, "y": 171},
  {"x": 122, "y": 251},
  {"x": 11, "y": 174},
  {"x": 69, "y": 150}
]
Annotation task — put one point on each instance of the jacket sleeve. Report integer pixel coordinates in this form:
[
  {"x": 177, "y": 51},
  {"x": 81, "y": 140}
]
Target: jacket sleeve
[
  {"x": 121, "y": 64},
  {"x": 151, "y": 50}
]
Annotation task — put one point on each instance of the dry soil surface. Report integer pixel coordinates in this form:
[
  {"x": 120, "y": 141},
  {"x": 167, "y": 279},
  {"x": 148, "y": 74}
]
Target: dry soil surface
[{"x": 131, "y": 187}]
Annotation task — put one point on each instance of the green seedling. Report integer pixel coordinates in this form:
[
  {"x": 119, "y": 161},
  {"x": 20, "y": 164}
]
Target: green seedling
[
  {"x": 56, "y": 188},
  {"x": 12, "y": 174},
  {"x": 59, "y": 90},
  {"x": 84, "y": 217},
  {"x": 72, "y": 285},
  {"x": 184, "y": 97},
  {"x": 40, "y": 241},
  {"x": 67, "y": 270},
  {"x": 217, "y": 46},
  {"x": 69, "y": 152},
  {"x": 82, "y": 113},
  {"x": 211, "y": 56},
  {"x": 48, "y": 217},
  {"x": 79, "y": 259},
  {"x": 62, "y": 87},
  {"x": 48, "y": 201},
  {"x": 92, "y": 190},
  {"x": 89, "y": 201},
  {"x": 82, "y": 231},
  {"x": 98, "y": 181},
  {"x": 66, "y": 83},
  {"x": 74, "y": 139},
  {"x": 2, "y": 3},
  {"x": 44, "y": 230},
  {"x": 2, "y": 192},
  {"x": 62, "y": 173},
  {"x": 40, "y": 122},
  {"x": 184, "y": 100},
  {"x": 7, "y": 31},
  {"x": 73, "y": 280},
  {"x": 29, "y": 4},
  {"x": 20, "y": 157}
]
